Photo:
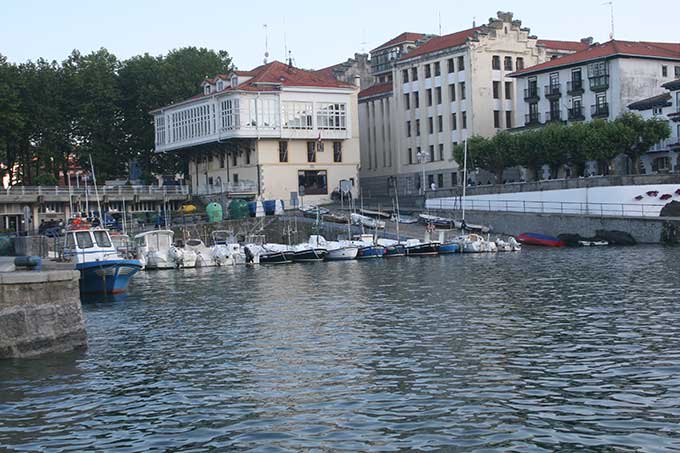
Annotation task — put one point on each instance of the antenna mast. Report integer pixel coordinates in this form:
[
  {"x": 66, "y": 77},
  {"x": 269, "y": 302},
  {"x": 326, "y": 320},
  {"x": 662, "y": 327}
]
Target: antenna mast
[
  {"x": 266, "y": 44},
  {"x": 611, "y": 12},
  {"x": 439, "y": 20},
  {"x": 285, "y": 41}
]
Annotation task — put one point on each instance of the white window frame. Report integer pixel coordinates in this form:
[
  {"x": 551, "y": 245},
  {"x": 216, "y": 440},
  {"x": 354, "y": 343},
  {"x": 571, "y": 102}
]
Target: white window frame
[{"x": 331, "y": 116}]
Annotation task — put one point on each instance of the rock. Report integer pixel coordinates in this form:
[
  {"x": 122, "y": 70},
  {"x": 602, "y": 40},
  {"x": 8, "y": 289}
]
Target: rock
[
  {"x": 672, "y": 209},
  {"x": 615, "y": 237}
]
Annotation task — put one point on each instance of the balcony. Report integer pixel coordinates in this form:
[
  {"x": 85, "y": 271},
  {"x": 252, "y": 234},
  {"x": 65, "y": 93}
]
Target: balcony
[
  {"x": 532, "y": 119},
  {"x": 554, "y": 116},
  {"x": 552, "y": 91},
  {"x": 675, "y": 116},
  {"x": 531, "y": 94},
  {"x": 599, "y": 83},
  {"x": 575, "y": 87},
  {"x": 576, "y": 114},
  {"x": 599, "y": 110}
]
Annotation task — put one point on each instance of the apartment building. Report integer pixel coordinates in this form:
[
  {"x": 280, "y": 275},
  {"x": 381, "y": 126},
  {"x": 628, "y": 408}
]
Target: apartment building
[
  {"x": 277, "y": 129},
  {"x": 436, "y": 91}
]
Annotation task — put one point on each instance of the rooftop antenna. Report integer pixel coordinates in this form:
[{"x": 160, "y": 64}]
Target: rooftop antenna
[
  {"x": 363, "y": 41},
  {"x": 439, "y": 21},
  {"x": 474, "y": 22},
  {"x": 611, "y": 11},
  {"x": 290, "y": 59},
  {"x": 266, "y": 44},
  {"x": 285, "y": 41}
]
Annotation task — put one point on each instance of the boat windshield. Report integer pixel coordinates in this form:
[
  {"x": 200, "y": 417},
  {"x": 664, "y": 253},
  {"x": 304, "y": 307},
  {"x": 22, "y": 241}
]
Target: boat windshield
[
  {"x": 102, "y": 238},
  {"x": 70, "y": 241},
  {"x": 160, "y": 242},
  {"x": 84, "y": 240}
]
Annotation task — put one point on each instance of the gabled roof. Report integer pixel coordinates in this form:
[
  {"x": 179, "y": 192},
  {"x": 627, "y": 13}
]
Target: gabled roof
[
  {"x": 407, "y": 36},
  {"x": 376, "y": 90},
  {"x": 572, "y": 46},
  {"x": 673, "y": 85},
  {"x": 442, "y": 42},
  {"x": 661, "y": 100},
  {"x": 609, "y": 49},
  {"x": 328, "y": 71}
]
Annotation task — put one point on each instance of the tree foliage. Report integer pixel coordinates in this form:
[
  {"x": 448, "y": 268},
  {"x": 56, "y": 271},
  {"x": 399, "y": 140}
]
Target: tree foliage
[
  {"x": 53, "y": 113},
  {"x": 557, "y": 145}
]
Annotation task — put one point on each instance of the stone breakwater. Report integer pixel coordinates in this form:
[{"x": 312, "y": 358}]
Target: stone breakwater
[{"x": 40, "y": 313}]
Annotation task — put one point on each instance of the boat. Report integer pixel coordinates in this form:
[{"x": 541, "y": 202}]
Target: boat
[
  {"x": 416, "y": 247},
  {"x": 393, "y": 248},
  {"x": 334, "y": 218},
  {"x": 153, "y": 249},
  {"x": 540, "y": 239},
  {"x": 271, "y": 253},
  {"x": 367, "y": 222},
  {"x": 448, "y": 246},
  {"x": 185, "y": 257},
  {"x": 102, "y": 269},
  {"x": 375, "y": 214},
  {"x": 225, "y": 248},
  {"x": 307, "y": 253},
  {"x": 441, "y": 222},
  {"x": 511, "y": 245},
  {"x": 204, "y": 255},
  {"x": 337, "y": 251},
  {"x": 368, "y": 247},
  {"x": 593, "y": 243},
  {"x": 313, "y": 211},
  {"x": 403, "y": 218}
]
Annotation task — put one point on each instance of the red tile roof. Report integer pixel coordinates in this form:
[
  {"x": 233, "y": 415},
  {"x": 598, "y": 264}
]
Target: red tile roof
[
  {"x": 404, "y": 37},
  {"x": 376, "y": 90},
  {"x": 442, "y": 42},
  {"x": 328, "y": 71},
  {"x": 270, "y": 75},
  {"x": 609, "y": 49},
  {"x": 573, "y": 46}
]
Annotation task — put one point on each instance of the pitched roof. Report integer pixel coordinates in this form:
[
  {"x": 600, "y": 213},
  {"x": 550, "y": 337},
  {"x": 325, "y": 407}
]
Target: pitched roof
[
  {"x": 407, "y": 36},
  {"x": 661, "y": 100},
  {"x": 376, "y": 90},
  {"x": 609, "y": 49},
  {"x": 442, "y": 42},
  {"x": 328, "y": 71},
  {"x": 573, "y": 46},
  {"x": 673, "y": 85}
]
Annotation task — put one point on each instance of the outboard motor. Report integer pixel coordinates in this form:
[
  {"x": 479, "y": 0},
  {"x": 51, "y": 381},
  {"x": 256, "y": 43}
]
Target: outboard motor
[{"x": 249, "y": 255}]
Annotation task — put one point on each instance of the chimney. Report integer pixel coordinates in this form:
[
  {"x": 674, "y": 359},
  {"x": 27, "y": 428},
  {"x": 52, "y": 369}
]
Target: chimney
[
  {"x": 357, "y": 80},
  {"x": 588, "y": 40}
]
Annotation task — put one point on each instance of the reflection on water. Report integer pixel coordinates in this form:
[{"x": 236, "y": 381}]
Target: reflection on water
[{"x": 543, "y": 350}]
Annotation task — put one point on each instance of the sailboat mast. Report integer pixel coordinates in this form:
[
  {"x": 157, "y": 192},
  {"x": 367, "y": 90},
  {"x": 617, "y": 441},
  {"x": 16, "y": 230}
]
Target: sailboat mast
[
  {"x": 96, "y": 192},
  {"x": 396, "y": 198},
  {"x": 464, "y": 177}
]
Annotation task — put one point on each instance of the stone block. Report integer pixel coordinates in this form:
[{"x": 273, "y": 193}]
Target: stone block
[{"x": 18, "y": 278}]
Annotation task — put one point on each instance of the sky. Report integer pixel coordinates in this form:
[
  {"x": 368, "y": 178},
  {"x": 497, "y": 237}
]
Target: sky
[{"x": 318, "y": 33}]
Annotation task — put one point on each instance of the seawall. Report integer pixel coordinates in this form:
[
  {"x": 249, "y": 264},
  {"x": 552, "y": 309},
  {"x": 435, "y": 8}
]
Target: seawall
[{"x": 40, "y": 313}]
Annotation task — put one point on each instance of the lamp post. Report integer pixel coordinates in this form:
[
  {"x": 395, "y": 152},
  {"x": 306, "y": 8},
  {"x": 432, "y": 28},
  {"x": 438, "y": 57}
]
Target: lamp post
[{"x": 422, "y": 157}]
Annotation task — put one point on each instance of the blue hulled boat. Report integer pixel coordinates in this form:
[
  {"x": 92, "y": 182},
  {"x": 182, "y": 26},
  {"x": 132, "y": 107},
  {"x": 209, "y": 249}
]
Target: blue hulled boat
[{"x": 448, "y": 248}]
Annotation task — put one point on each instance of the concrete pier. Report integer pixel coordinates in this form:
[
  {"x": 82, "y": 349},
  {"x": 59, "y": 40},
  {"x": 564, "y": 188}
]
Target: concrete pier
[{"x": 40, "y": 313}]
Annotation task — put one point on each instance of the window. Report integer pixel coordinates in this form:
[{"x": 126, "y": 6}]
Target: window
[
  {"x": 440, "y": 123},
  {"x": 311, "y": 151},
  {"x": 283, "y": 151},
  {"x": 454, "y": 124},
  {"x": 450, "y": 64},
  {"x": 597, "y": 69},
  {"x": 508, "y": 118},
  {"x": 554, "y": 80},
  {"x": 408, "y": 128},
  {"x": 206, "y": 90},
  {"x": 404, "y": 75},
  {"x": 430, "y": 180},
  {"x": 430, "y": 125},
  {"x": 431, "y": 153},
  {"x": 407, "y": 101},
  {"x": 331, "y": 116},
  {"x": 496, "y": 62},
  {"x": 247, "y": 157},
  {"x": 84, "y": 240},
  {"x": 462, "y": 90},
  {"x": 661, "y": 164},
  {"x": 416, "y": 99},
  {"x": 461, "y": 63},
  {"x": 220, "y": 85},
  {"x": 452, "y": 91},
  {"x": 70, "y": 242},
  {"x": 428, "y": 93},
  {"x": 507, "y": 63},
  {"x": 440, "y": 180},
  {"x": 677, "y": 72},
  {"x": 656, "y": 111},
  {"x": 234, "y": 177},
  {"x": 496, "y": 119},
  {"x": 437, "y": 69},
  {"x": 441, "y": 153},
  {"x": 496, "y": 90},
  {"x": 428, "y": 72},
  {"x": 102, "y": 238},
  {"x": 417, "y": 128},
  {"x": 221, "y": 160},
  {"x": 438, "y": 95},
  {"x": 234, "y": 161},
  {"x": 297, "y": 115},
  {"x": 210, "y": 181},
  {"x": 414, "y": 74},
  {"x": 664, "y": 71},
  {"x": 337, "y": 152},
  {"x": 410, "y": 156},
  {"x": 464, "y": 118},
  {"x": 519, "y": 64},
  {"x": 508, "y": 90},
  {"x": 454, "y": 179},
  {"x": 314, "y": 182}
]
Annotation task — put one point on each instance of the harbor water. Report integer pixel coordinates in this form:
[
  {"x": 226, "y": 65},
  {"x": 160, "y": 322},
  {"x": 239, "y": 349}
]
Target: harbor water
[{"x": 543, "y": 350}]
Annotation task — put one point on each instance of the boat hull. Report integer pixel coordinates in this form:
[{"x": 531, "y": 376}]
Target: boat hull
[
  {"x": 396, "y": 250},
  {"x": 371, "y": 251},
  {"x": 342, "y": 254},
  {"x": 428, "y": 249},
  {"x": 540, "y": 239},
  {"x": 449, "y": 248},
  {"x": 310, "y": 255},
  {"x": 282, "y": 257},
  {"x": 107, "y": 277}
]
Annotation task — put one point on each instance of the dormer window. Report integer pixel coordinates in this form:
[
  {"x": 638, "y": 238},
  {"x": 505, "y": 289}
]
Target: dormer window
[
  {"x": 234, "y": 82},
  {"x": 206, "y": 90},
  {"x": 220, "y": 85}
]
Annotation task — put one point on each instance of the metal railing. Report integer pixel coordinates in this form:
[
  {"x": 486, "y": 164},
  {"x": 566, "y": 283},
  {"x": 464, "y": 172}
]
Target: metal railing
[
  {"x": 231, "y": 187},
  {"x": 552, "y": 90},
  {"x": 532, "y": 118},
  {"x": 549, "y": 207},
  {"x": 576, "y": 113},
  {"x": 599, "y": 110},
  {"x": 575, "y": 86},
  {"x": 103, "y": 190},
  {"x": 531, "y": 92}
]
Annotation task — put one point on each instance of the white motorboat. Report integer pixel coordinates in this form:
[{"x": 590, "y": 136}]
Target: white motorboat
[
  {"x": 475, "y": 243},
  {"x": 154, "y": 249},
  {"x": 368, "y": 222},
  {"x": 511, "y": 245},
  {"x": 185, "y": 257},
  {"x": 597, "y": 243},
  {"x": 337, "y": 251},
  {"x": 225, "y": 248},
  {"x": 204, "y": 255}
]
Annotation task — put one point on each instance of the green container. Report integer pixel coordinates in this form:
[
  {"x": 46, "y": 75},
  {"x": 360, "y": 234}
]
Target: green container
[
  {"x": 214, "y": 212},
  {"x": 238, "y": 209}
]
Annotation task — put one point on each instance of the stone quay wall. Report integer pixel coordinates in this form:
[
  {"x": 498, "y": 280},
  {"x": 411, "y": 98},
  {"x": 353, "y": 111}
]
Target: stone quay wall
[{"x": 40, "y": 313}]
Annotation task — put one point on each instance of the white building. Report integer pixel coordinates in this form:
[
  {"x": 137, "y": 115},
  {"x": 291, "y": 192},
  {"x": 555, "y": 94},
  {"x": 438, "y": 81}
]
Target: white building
[
  {"x": 272, "y": 131},
  {"x": 598, "y": 82},
  {"x": 438, "y": 90},
  {"x": 663, "y": 157}
]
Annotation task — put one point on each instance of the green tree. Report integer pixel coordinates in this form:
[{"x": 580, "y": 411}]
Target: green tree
[
  {"x": 640, "y": 136},
  {"x": 12, "y": 117}
]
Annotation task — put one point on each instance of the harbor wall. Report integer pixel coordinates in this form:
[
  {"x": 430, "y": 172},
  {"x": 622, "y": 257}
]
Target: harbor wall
[
  {"x": 40, "y": 313},
  {"x": 645, "y": 230}
]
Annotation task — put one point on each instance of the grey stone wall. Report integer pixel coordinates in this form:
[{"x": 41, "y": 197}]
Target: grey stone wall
[{"x": 40, "y": 313}]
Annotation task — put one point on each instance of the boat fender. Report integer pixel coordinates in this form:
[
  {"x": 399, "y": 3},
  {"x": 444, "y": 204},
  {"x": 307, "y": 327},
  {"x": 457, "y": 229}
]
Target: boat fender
[{"x": 32, "y": 262}]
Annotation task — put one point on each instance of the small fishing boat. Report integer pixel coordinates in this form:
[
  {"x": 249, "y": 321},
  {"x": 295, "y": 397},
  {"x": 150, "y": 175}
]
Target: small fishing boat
[
  {"x": 393, "y": 248},
  {"x": 275, "y": 254},
  {"x": 404, "y": 219},
  {"x": 155, "y": 249},
  {"x": 225, "y": 249},
  {"x": 441, "y": 222},
  {"x": 335, "y": 218},
  {"x": 337, "y": 251},
  {"x": 375, "y": 214},
  {"x": 313, "y": 211},
  {"x": 204, "y": 255},
  {"x": 511, "y": 245},
  {"x": 416, "y": 247},
  {"x": 540, "y": 239},
  {"x": 308, "y": 253},
  {"x": 367, "y": 222},
  {"x": 102, "y": 269},
  {"x": 448, "y": 246},
  {"x": 368, "y": 247}
]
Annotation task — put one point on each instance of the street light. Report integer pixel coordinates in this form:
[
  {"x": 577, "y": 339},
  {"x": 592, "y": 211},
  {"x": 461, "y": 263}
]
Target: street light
[{"x": 422, "y": 157}]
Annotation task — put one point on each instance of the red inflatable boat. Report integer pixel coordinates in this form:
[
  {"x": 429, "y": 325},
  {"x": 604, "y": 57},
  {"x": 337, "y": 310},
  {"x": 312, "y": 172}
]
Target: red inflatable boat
[{"x": 540, "y": 239}]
